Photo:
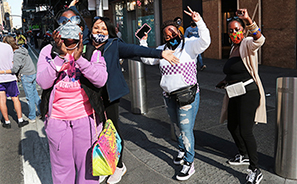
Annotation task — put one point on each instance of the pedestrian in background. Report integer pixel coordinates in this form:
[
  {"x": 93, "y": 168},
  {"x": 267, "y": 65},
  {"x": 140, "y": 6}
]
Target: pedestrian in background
[
  {"x": 8, "y": 86},
  {"x": 192, "y": 30},
  {"x": 179, "y": 20},
  {"x": 23, "y": 66},
  {"x": 104, "y": 38},
  {"x": 71, "y": 100},
  {"x": 243, "y": 111},
  {"x": 21, "y": 40},
  {"x": 180, "y": 77},
  {"x": 119, "y": 34}
]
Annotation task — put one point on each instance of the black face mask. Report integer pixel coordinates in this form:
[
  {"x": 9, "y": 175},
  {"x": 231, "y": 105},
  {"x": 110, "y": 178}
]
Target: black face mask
[{"x": 173, "y": 42}]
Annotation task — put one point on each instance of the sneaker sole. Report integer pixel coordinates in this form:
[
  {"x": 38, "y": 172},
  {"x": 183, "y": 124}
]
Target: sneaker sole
[
  {"x": 178, "y": 163},
  {"x": 119, "y": 179},
  {"x": 184, "y": 178},
  {"x": 243, "y": 163}
]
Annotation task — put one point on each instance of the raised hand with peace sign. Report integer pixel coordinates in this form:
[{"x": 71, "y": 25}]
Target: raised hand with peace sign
[{"x": 195, "y": 15}]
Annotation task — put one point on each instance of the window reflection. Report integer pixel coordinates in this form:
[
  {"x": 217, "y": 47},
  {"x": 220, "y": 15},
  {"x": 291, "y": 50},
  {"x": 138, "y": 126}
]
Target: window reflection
[{"x": 130, "y": 15}]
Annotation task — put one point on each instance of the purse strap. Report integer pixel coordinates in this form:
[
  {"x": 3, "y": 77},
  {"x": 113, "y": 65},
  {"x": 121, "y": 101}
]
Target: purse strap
[
  {"x": 95, "y": 122},
  {"x": 248, "y": 82}
]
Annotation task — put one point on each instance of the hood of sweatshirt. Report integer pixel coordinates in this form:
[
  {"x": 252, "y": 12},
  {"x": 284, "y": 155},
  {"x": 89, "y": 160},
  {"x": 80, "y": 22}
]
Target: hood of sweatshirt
[{"x": 22, "y": 51}]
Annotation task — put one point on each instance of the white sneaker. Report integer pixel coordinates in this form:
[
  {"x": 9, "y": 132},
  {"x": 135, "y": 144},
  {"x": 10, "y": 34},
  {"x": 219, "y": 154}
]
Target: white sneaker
[
  {"x": 102, "y": 178},
  {"x": 239, "y": 160},
  {"x": 32, "y": 120},
  {"x": 179, "y": 160},
  {"x": 117, "y": 175},
  {"x": 187, "y": 171}
]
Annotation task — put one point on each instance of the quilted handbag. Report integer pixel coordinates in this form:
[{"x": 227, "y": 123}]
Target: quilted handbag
[{"x": 106, "y": 151}]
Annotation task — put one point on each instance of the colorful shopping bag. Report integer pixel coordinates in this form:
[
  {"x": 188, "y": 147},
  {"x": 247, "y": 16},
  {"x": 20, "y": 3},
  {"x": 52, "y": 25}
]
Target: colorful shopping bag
[{"x": 106, "y": 151}]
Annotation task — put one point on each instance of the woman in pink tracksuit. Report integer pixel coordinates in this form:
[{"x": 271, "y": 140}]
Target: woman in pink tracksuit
[{"x": 71, "y": 100}]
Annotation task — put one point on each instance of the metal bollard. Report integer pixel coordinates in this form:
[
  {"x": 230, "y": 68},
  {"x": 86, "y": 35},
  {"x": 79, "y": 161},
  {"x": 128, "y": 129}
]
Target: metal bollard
[
  {"x": 137, "y": 87},
  {"x": 286, "y": 122}
]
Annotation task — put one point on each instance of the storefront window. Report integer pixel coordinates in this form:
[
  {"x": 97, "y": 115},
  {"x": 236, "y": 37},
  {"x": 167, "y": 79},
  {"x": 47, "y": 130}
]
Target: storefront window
[
  {"x": 119, "y": 16},
  {"x": 130, "y": 15},
  {"x": 145, "y": 14}
]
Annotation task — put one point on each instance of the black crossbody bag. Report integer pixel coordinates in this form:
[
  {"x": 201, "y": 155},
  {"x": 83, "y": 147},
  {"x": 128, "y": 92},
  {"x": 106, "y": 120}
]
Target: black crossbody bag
[{"x": 184, "y": 96}]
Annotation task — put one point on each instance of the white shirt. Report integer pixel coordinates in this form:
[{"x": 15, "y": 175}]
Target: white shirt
[
  {"x": 184, "y": 73},
  {"x": 6, "y": 60}
]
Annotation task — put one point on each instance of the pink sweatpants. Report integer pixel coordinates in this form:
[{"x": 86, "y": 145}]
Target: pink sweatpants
[{"x": 70, "y": 145}]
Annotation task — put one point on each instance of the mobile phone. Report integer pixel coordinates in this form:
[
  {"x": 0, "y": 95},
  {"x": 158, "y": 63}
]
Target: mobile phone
[
  {"x": 140, "y": 33},
  {"x": 239, "y": 13}
]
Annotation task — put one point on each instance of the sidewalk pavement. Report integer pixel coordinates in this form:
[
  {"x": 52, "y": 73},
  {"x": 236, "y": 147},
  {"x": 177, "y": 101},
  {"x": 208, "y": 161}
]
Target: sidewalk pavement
[{"x": 149, "y": 149}]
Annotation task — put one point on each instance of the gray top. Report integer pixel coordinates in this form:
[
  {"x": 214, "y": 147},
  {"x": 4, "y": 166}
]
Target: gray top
[{"x": 22, "y": 62}]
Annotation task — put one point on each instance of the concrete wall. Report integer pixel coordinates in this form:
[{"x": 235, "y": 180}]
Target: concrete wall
[
  {"x": 212, "y": 18},
  {"x": 172, "y": 9},
  {"x": 279, "y": 28}
]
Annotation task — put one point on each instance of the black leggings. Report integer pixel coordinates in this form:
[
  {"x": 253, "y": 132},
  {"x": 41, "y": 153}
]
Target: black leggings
[
  {"x": 112, "y": 111},
  {"x": 241, "y": 114}
]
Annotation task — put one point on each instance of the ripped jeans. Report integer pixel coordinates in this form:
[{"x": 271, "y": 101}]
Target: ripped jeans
[{"x": 183, "y": 119}]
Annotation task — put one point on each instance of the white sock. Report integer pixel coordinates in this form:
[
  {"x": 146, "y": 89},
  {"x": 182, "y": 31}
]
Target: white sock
[
  {"x": 7, "y": 122},
  {"x": 20, "y": 120}
]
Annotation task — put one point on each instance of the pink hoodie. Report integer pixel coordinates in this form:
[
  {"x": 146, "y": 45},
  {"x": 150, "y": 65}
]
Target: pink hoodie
[{"x": 47, "y": 70}]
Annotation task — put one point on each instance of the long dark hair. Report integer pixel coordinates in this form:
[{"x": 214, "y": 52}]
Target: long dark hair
[{"x": 110, "y": 27}]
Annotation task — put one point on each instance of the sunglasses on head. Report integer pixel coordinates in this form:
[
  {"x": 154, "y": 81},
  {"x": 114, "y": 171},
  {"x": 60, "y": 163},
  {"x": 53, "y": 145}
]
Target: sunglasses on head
[
  {"x": 96, "y": 18},
  {"x": 232, "y": 18},
  {"x": 101, "y": 18},
  {"x": 74, "y": 19}
]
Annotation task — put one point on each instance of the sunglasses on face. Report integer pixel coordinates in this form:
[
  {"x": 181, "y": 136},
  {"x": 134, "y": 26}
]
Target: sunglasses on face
[{"x": 74, "y": 19}]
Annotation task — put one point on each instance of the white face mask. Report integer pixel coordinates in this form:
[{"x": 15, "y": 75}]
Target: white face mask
[
  {"x": 69, "y": 31},
  {"x": 99, "y": 38}
]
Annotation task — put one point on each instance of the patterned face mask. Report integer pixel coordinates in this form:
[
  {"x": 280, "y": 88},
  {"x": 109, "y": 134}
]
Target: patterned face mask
[
  {"x": 69, "y": 31},
  {"x": 99, "y": 38},
  {"x": 236, "y": 37}
]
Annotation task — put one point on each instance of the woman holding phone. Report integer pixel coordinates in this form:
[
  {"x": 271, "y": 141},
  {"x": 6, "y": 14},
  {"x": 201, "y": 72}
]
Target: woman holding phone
[
  {"x": 103, "y": 38},
  {"x": 179, "y": 78},
  {"x": 243, "y": 111}
]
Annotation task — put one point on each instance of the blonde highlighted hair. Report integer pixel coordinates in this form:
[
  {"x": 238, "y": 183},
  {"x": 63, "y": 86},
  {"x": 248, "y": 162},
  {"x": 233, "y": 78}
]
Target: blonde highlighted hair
[{"x": 11, "y": 41}]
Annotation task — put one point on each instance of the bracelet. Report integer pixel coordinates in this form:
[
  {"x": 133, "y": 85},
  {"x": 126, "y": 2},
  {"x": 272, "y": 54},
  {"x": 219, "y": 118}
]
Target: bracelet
[
  {"x": 252, "y": 26},
  {"x": 255, "y": 33}
]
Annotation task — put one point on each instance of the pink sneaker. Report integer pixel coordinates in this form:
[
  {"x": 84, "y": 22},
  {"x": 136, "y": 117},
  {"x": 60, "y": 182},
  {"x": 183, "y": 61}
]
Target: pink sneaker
[{"x": 117, "y": 175}]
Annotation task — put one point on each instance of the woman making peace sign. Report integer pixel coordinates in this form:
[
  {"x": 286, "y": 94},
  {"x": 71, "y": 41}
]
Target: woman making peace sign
[{"x": 178, "y": 78}]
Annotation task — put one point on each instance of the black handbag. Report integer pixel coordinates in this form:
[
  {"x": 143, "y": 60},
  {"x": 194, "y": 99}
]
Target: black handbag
[{"x": 184, "y": 96}]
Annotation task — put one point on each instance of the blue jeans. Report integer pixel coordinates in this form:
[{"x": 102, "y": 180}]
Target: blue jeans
[
  {"x": 29, "y": 85},
  {"x": 199, "y": 59},
  {"x": 183, "y": 119}
]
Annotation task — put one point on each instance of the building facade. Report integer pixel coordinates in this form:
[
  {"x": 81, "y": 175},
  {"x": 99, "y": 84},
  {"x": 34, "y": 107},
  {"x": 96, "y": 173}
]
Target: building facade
[
  {"x": 7, "y": 22},
  {"x": 278, "y": 27}
]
